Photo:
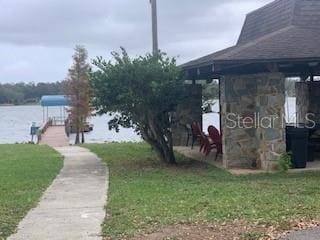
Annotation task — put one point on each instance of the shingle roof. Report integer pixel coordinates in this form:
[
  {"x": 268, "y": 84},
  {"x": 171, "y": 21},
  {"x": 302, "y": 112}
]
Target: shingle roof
[
  {"x": 267, "y": 19},
  {"x": 283, "y": 29}
]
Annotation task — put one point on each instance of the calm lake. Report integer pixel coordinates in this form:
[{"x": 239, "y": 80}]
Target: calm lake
[{"x": 15, "y": 122}]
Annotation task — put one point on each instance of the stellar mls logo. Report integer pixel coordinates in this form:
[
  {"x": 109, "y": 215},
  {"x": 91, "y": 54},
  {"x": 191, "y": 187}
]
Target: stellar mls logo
[{"x": 257, "y": 121}]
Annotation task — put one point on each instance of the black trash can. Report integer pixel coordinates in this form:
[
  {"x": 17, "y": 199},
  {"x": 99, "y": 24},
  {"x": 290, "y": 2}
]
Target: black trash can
[
  {"x": 311, "y": 150},
  {"x": 298, "y": 138},
  {"x": 289, "y": 129}
]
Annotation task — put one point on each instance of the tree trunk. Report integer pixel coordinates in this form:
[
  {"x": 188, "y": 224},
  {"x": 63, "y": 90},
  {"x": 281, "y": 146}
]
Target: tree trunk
[
  {"x": 165, "y": 153},
  {"x": 77, "y": 141},
  {"x": 168, "y": 154},
  {"x": 82, "y": 137},
  {"x": 82, "y": 134},
  {"x": 169, "y": 151},
  {"x": 82, "y": 130},
  {"x": 163, "y": 147}
]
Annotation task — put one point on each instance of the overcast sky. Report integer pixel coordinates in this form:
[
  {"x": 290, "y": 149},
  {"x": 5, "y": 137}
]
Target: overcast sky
[{"x": 37, "y": 37}]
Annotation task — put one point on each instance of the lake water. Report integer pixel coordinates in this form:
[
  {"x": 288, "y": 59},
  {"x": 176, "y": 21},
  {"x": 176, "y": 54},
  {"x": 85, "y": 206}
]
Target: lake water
[{"x": 15, "y": 122}]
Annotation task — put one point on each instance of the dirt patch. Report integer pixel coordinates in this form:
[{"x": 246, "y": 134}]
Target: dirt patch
[
  {"x": 183, "y": 165},
  {"x": 227, "y": 231},
  {"x": 235, "y": 231}
]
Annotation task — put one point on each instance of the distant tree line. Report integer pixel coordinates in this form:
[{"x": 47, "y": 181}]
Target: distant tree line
[{"x": 28, "y": 93}]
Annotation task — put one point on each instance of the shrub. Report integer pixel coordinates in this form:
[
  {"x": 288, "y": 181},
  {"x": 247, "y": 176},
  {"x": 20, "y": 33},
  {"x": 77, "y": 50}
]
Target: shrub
[{"x": 285, "y": 162}]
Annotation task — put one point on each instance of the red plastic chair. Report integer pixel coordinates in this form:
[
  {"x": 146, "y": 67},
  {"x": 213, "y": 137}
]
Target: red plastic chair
[
  {"x": 215, "y": 141},
  {"x": 199, "y": 135}
]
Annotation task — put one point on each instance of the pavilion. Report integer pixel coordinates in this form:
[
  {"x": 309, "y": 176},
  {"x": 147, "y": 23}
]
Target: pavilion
[{"x": 277, "y": 41}]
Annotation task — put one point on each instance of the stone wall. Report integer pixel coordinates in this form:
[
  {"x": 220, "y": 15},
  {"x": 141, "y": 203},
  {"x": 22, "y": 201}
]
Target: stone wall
[
  {"x": 302, "y": 101},
  {"x": 189, "y": 111},
  {"x": 308, "y": 95},
  {"x": 246, "y": 100}
]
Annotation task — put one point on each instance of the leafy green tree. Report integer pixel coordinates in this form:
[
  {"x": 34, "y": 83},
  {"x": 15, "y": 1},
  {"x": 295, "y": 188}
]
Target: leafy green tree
[
  {"x": 142, "y": 92},
  {"x": 210, "y": 93}
]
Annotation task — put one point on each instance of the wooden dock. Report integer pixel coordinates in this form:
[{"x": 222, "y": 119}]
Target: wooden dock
[{"x": 55, "y": 136}]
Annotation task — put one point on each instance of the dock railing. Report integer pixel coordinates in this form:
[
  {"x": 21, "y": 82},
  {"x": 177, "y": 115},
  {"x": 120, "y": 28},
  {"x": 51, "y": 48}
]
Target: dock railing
[
  {"x": 43, "y": 129},
  {"x": 58, "y": 121},
  {"x": 53, "y": 121}
]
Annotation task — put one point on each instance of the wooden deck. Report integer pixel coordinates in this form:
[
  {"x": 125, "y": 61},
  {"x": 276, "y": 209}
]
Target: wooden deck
[{"x": 55, "y": 136}]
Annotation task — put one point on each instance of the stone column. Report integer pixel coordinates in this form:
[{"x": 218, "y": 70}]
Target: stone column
[
  {"x": 308, "y": 95},
  {"x": 244, "y": 100},
  {"x": 189, "y": 111},
  {"x": 237, "y": 99},
  {"x": 270, "y": 103}
]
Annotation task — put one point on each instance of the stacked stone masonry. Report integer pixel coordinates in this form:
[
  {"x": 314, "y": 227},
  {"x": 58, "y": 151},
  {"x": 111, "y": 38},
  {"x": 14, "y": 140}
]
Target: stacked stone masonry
[
  {"x": 253, "y": 120},
  {"x": 308, "y": 104}
]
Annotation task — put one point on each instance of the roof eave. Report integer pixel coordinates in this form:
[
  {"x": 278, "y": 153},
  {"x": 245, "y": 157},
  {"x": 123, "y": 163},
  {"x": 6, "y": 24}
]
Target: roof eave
[{"x": 246, "y": 61}]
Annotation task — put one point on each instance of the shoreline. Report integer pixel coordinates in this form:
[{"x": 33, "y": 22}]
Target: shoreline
[{"x": 13, "y": 105}]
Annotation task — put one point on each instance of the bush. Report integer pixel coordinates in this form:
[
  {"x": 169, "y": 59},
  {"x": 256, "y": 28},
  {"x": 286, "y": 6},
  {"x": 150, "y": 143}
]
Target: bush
[{"x": 285, "y": 162}]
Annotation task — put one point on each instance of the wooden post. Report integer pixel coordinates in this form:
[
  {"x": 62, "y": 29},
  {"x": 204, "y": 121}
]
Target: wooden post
[
  {"x": 154, "y": 26},
  {"x": 220, "y": 116},
  {"x": 64, "y": 116},
  {"x": 61, "y": 116},
  {"x": 311, "y": 77},
  {"x": 43, "y": 115}
]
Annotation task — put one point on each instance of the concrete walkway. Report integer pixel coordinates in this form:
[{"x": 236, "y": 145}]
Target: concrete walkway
[
  {"x": 72, "y": 208},
  {"x": 311, "y": 234}
]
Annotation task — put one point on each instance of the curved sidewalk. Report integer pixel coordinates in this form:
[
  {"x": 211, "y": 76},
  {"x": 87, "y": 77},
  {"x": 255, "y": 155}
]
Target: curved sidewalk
[{"x": 72, "y": 208}]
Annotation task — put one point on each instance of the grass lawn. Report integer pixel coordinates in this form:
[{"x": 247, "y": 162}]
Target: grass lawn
[
  {"x": 146, "y": 195},
  {"x": 25, "y": 172}
]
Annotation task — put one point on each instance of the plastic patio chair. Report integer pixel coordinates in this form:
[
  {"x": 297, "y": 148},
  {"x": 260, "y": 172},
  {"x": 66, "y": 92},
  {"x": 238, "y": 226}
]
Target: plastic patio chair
[
  {"x": 215, "y": 141},
  {"x": 197, "y": 134}
]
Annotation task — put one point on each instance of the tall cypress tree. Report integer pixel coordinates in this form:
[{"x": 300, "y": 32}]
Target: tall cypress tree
[{"x": 78, "y": 89}]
